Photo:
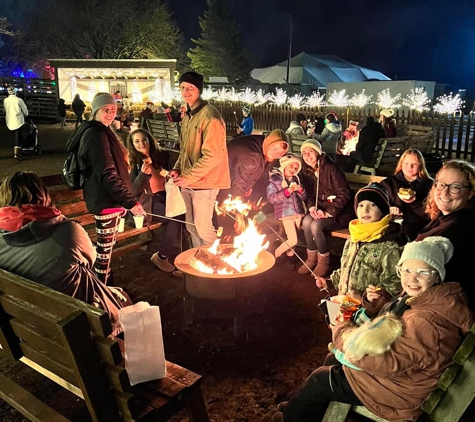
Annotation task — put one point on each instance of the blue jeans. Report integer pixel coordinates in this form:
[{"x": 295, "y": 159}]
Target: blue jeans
[
  {"x": 313, "y": 231},
  {"x": 199, "y": 212},
  {"x": 172, "y": 228}
]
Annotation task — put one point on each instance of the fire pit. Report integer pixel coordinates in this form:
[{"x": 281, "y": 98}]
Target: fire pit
[{"x": 223, "y": 295}]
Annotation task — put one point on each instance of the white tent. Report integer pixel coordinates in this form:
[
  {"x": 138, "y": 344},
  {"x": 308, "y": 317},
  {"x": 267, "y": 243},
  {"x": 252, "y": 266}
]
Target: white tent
[{"x": 316, "y": 70}]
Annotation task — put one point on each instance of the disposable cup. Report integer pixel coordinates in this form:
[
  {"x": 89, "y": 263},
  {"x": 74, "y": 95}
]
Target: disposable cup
[
  {"x": 121, "y": 225},
  {"x": 138, "y": 219}
]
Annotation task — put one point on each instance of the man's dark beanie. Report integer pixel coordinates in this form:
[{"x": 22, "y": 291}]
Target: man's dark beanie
[
  {"x": 192, "y": 78},
  {"x": 301, "y": 117}
]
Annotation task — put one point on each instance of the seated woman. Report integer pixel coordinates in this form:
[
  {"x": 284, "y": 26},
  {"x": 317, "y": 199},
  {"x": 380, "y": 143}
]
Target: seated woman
[
  {"x": 328, "y": 204},
  {"x": 450, "y": 206},
  {"x": 148, "y": 185},
  {"x": 392, "y": 372},
  {"x": 39, "y": 243},
  {"x": 408, "y": 190}
]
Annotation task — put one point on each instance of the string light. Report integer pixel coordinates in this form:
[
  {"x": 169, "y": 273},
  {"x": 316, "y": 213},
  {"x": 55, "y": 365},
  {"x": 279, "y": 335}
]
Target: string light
[
  {"x": 248, "y": 96},
  {"x": 91, "y": 91},
  {"x": 361, "y": 100},
  {"x": 448, "y": 104},
  {"x": 386, "y": 101},
  {"x": 136, "y": 93},
  {"x": 339, "y": 99},
  {"x": 73, "y": 86},
  {"x": 208, "y": 93},
  {"x": 280, "y": 97},
  {"x": 417, "y": 100},
  {"x": 261, "y": 97},
  {"x": 315, "y": 100},
  {"x": 296, "y": 101}
]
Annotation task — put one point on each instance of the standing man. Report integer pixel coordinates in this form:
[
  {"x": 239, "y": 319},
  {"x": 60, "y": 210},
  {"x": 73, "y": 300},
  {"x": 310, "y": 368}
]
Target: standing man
[
  {"x": 298, "y": 126},
  {"x": 202, "y": 168},
  {"x": 15, "y": 112}
]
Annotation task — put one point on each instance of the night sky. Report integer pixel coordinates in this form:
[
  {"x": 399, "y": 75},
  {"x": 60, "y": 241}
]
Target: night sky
[{"x": 418, "y": 39}]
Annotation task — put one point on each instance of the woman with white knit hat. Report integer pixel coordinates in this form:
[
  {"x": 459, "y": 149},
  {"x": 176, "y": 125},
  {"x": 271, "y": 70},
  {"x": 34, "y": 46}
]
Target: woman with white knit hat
[
  {"x": 392, "y": 363},
  {"x": 328, "y": 204}
]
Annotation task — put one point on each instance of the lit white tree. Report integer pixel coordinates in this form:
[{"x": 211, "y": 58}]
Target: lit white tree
[
  {"x": 339, "y": 99},
  {"x": 448, "y": 104},
  {"x": 361, "y": 99},
  {"x": 208, "y": 93},
  {"x": 222, "y": 94},
  {"x": 417, "y": 100},
  {"x": 279, "y": 98},
  {"x": 386, "y": 101},
  {"x": 248, "y": 96},
  {"x": 315, "y": 100},
  {"x": 261, "y": 97},
  {"x": 233, "y": 95},
  {"x": 296, "y": 101}
]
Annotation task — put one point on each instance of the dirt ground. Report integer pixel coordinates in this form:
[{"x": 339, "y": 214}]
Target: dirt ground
[{"x": 243, "y": 379}]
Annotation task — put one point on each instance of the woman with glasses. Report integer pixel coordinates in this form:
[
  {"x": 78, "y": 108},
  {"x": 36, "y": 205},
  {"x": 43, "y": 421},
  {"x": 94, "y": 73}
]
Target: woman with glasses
[
  {"x": 392, "y": 363},
  {"x": 450, "y": 208},
  {"x": 407, "y": 191}
]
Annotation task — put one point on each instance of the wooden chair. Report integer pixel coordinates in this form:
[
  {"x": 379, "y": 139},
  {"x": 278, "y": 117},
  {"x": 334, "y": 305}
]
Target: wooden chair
[
  {"x": 373, "y": 165},
  {"x": 69, "y": 342},
  {"x": 455, "y": 392}
]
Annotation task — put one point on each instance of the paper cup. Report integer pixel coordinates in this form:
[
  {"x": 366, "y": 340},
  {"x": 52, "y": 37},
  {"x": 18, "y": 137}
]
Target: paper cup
[
  {"x": 138, "y": 219},
  {"x": 121, "y": 225}
]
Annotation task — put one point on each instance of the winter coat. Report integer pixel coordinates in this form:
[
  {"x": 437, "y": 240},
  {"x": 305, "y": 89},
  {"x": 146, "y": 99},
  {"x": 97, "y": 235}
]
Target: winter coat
[
  {"x": 330, "y": 137},
  {"x": 78, "y": 106},
  {"x": 295, "y": 128},
  {"x": 15, "y": 112},
  {"x": 62, "y": 107},
  {"x": 332, "y": 183},
  {"x": 390, "y": 129},
  {"x": 459, "y": 228},
  {"x": 203, "y": 159},
  {"x": 365, "y": 263},
  {"x": 414, "y": 216},
  {"x": 285, "y": 205},
  {"x": 247, "y": 125},
  {"x": 368, "y": 139},
  {"x": 246, "y": 164},
  {"x": 394, "y": 385},
  {"x": 101, "y": 154}
]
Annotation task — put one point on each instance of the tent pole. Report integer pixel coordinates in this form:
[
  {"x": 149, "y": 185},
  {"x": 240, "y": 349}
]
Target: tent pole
[{"x": 290, "y": 47}]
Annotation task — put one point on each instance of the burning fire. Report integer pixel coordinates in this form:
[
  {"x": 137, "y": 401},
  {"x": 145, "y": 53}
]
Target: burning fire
[{"x": 243, "y": 254}]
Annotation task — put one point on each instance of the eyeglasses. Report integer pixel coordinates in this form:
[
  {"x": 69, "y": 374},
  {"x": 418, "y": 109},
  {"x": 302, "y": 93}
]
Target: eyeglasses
[
  {"x": 421, "y": 274},
  {"x": 453, "y": 187}
]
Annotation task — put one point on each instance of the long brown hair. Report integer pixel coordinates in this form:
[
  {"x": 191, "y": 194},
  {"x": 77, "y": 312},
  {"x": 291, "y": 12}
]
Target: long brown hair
[
  {"x": 24, "y": 187},
  {"x": 136, "y": 158},
  {"x": 464, "y": 167},
  {"x": 423, "y": 173}
]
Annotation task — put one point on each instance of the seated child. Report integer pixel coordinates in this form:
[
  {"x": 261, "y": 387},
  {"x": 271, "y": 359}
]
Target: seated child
[
  {"x": 371, "y": 253},
  {"x": 287, "y": 195}
]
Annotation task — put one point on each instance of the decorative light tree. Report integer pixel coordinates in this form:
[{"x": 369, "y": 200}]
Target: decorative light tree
[
  {"x": 339, "y": 99},
  {"x": 233, "y": 95},
  {"x": 222, "y": 94},
  {"x": 248, "y": 96},
  {"x": 296, "y": 101},
  {"x": 208, "y": 93},
  {"x": 386, "y": 101},
  {"x": 261, "y": 97},
  {"x": 279, "y": 98},
  {"x": 361, "y": 99},
  {"x": 417, "y": 100},
  {"x": 136, "y": 93},
  {"x": 315, "y": 100},
  {"x": 448, "y": 104}
]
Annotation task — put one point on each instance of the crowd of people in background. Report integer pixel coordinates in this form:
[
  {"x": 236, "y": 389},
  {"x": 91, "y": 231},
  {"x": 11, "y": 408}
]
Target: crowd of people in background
[{"x": 406, "y": 252}]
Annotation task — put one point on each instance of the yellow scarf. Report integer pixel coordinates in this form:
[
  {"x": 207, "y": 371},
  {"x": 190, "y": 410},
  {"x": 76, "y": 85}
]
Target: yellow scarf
[{"x": 368, "y": 232}]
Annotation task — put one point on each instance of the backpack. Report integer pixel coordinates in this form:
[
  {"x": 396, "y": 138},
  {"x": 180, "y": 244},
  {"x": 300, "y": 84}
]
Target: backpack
[{"x": 73, "y": 176}]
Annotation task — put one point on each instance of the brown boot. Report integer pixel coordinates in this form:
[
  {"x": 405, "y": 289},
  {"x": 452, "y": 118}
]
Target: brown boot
[
  {"x": 310, "y": 262},
  {"x": 323, "y": 268}
]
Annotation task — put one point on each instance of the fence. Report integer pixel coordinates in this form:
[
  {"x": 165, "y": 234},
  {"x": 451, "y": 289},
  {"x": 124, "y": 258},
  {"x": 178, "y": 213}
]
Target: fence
[{"x": 453, "y": 133}]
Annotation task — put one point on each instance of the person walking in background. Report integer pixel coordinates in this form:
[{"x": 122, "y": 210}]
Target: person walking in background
[
  {"x": 15, "y": 113},
  {"x": 387, "y": 122},
  {"x": 107, "y": 190},
  {"x": 331, "y": 135},
  {"x": 247, "y": 124},
  {"x": 202, "y": 167},
  {"x": 298, "y": 126},
  {"x": 78, "y": 108},
  {"x": 62, "y": 107}
]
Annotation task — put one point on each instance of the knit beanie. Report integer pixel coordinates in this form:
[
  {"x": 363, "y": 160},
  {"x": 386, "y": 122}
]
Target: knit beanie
[
  {"x": 387, "y": 112},
  {"x": 288, "y": 159},
  {"x": 276, "y": 136},
  {"x": 377, "y": 194},
  {"x": 102, "y": 99},
  {"x": 246, "y": 109},
  {"x": 192, "y": 78},
  {"x": 301, "y": 117},
  {"x": 434, "y": 250},
  {"x": 312, "y": 143}
]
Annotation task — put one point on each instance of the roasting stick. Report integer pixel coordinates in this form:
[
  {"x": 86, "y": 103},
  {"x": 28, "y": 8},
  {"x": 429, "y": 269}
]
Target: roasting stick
[
  {"x": 219, "y": 231},
  {"x": 260, "y": 218}
]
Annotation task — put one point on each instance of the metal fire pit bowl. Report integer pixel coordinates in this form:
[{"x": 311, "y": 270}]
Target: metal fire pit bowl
[{"x": 223, "y": 295}]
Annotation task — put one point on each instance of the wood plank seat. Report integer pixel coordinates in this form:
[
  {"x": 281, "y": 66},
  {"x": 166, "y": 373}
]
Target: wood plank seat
[
  {"x": 71, "y": 204},
  {"x": 167, "y": 134},
  {"x": 68, "y": 341},
  {"x": 455, "y": 391},
  {"x": 296, "y": 142}
]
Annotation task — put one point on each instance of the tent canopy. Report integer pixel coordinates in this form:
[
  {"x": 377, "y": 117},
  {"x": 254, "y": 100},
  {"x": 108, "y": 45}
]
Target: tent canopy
[{"x": 316, "y": 70}]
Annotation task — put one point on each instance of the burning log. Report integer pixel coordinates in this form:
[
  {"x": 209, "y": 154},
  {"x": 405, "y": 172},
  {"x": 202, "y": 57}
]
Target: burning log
[{"x": 213, "y": 261}]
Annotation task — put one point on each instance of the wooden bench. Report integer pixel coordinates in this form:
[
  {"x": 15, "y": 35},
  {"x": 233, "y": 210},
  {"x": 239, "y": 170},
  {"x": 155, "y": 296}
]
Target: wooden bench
[
  {"x": 68, "y": 341},
  {"x": 71, "y": 204},
  {"x": 455, "y": 392},
  {"x": 167, "y": 134},
  {"x": 296, "y": 142}
]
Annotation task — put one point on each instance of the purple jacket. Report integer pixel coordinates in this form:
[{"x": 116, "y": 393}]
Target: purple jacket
[{"x": 284, "y": 206}]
